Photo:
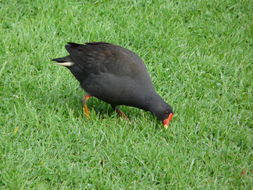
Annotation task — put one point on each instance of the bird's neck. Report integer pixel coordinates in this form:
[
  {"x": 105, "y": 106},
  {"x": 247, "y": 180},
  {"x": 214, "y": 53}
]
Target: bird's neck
[{"x": 153, "y": 101}]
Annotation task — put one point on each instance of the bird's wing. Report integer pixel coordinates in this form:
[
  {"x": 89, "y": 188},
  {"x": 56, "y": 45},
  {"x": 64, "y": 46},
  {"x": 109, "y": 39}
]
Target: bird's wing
[{"x": 99, "y": 57}]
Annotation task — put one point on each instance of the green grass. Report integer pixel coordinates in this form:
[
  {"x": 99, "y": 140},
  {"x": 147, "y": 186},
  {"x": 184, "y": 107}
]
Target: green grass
[{"x": 199, "y": 55}]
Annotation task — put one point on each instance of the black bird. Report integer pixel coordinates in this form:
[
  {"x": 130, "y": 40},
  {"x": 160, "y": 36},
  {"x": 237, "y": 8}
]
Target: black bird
[{"x": 115, "y": 75}]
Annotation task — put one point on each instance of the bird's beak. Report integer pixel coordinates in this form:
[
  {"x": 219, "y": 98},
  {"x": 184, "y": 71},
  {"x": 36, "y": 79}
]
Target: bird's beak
[{"x": 166, "y": 122}]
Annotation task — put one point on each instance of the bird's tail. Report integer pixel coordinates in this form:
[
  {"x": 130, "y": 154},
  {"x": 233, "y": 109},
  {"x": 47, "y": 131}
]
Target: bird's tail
[{"x": 64, "y": 61}]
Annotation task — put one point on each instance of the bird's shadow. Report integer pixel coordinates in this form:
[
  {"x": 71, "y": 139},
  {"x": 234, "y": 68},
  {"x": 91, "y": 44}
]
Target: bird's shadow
[{"x": 73, "y": 103}]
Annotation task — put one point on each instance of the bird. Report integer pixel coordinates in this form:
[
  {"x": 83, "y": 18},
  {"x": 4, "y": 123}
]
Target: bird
[{"x": 115, "y": 75}]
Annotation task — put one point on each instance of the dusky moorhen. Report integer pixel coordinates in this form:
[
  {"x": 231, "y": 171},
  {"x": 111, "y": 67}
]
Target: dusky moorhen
[{"x": 115, "y": 75}]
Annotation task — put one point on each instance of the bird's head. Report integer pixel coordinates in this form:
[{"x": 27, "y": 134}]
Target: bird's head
[
  {"x": 165, "y": 115},
  {"x": 163, "y": 112}
]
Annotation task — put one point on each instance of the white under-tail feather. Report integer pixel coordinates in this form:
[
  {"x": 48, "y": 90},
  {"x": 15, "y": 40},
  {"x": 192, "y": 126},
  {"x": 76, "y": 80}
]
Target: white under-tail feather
[{"x": 66, "y": 64}]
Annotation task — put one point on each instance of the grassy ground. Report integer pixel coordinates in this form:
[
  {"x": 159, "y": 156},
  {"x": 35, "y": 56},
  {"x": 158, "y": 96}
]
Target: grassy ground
[{"x": 199, "y": 54}]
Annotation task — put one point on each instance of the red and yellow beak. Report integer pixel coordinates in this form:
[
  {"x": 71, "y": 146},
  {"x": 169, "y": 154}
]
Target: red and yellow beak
[{"x": 166, "y": 122}]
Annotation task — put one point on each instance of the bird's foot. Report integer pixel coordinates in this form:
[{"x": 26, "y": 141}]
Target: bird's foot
[{"x": 86, "y": 110}]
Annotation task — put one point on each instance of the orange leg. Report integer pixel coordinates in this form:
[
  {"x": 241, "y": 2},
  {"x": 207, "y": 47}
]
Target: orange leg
[{"x": 86, "y": 111}]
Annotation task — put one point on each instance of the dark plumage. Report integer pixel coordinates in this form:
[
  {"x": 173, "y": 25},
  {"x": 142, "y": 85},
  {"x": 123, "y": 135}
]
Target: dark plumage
[{"x": 115, "y": 75}]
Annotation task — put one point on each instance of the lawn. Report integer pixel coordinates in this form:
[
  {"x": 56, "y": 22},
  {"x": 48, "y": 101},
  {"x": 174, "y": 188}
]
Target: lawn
[{"x": 200, "y": 57}]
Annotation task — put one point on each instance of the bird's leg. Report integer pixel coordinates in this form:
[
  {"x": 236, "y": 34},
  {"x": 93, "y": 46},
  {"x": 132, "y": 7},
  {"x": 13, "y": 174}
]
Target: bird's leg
[
  {"x": 85, "y": 107},
  {"x": 119, "y": 112}
]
